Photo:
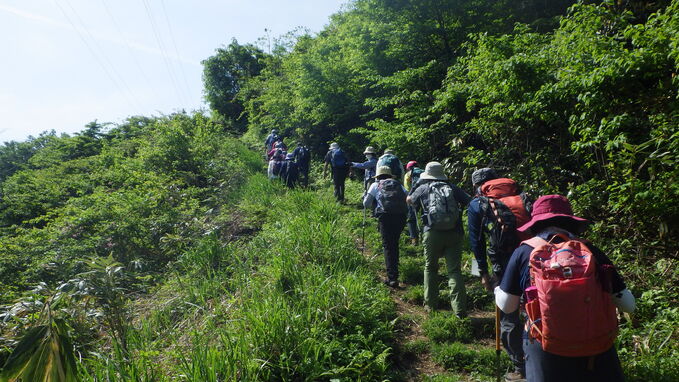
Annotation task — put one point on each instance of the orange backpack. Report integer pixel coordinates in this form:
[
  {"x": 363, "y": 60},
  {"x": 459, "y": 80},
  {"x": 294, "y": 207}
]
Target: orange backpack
[
  {"x": 509, "y": 207},
  {"x": 569, "y": 311}
]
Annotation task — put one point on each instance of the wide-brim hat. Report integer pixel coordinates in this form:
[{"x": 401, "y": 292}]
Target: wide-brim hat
[
  {"x": 551, "y": 206},
  {"x": 334, "y": 146},
  {"x": 383, "y": 170},
  {"x": 433, "y": 171},
  {"x": 369, "y": 150},
  {"x": 410, "y": 164},
  {"x": 389, "y": 151},
  {"x": 289, "y": 156}
]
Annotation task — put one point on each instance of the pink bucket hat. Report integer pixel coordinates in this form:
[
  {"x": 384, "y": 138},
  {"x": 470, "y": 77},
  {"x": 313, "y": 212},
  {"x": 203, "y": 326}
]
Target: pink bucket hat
[{"x": 550, "y": 206}]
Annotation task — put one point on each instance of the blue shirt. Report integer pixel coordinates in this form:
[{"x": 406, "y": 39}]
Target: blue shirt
[{"x": 369, "y": 166}]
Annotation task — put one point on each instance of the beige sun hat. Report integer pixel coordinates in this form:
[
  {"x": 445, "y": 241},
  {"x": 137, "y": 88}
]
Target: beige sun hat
[
  {"x": 334, "y": 146},
  {"x": 383, "y": 170},
  {"x": 369, "y": 150},
  {"x": 389, "y": 151},
  {"x": 433, "y": 171}
]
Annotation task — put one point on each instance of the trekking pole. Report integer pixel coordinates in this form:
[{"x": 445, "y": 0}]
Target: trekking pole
[
  {"x": 363, "y": 233},
  {"x": 498, "y": 349}
]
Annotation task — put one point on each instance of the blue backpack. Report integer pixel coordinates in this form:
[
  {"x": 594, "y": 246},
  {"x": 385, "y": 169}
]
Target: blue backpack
[
  {"x": 393, "y": 162},
  {"x": 338, "y": 159}
]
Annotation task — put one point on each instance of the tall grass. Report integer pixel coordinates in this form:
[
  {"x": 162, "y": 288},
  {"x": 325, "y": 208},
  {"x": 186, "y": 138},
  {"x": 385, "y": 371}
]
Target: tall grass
[{"x": 297, "y": 301}]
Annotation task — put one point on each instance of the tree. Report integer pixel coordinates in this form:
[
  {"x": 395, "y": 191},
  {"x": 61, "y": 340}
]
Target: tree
[{"x": 225, "y": 73}]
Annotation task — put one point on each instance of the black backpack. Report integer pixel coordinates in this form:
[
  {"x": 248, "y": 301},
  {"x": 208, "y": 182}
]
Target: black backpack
[
  {"x": 391, "y": 197},
  {"x": 302, "y": 154}
]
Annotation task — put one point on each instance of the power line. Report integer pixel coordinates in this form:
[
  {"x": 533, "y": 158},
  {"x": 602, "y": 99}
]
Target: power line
[
  {"x": 176, "y": 50},
  {"x": 96, "y": 56},
  {"x": 129, "y": 48},
  {"x": 162, "y": 51}
]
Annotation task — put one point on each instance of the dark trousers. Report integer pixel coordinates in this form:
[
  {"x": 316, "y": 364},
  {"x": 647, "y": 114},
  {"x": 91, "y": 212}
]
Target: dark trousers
[
  {"x": 511, "y": 333},
  {"x": 413, "y": 231},
  {"x": 339, "y": 176},
  {"x": 547, "y": 367},
  {"x": 391, "y": 227},
  {"x": 304, "y": 175}
]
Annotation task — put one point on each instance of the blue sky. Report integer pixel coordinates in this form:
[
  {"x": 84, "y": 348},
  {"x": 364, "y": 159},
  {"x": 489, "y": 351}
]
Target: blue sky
[{"x": 68, "y": 62}]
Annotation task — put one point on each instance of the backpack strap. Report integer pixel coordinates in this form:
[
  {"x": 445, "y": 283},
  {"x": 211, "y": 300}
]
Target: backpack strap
[{"x": 535, "y": 241}]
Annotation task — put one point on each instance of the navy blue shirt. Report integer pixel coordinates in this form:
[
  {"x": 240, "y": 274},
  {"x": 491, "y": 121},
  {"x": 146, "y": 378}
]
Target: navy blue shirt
[{"x": 516, "y": 278}]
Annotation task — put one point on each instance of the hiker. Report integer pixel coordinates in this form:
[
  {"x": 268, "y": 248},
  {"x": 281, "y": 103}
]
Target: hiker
[
  {"x": 368, "y": 167},
  {"x": 498, "y": 204},
  {"x": 338, "y": 163},
  {"x": 389, "y": 197},
  {"x": 390, "y": 159},
  {"x": 270, "y": 140},
  {"x": 411, "y": 178},
  {"x": 289, "y": 172},
  {"x": 580, "y": 317},
  {"x": 274, "y": 169},
  {"x": 276, "y": 150},
  {"x": 440, "y": 203},
  {"x": 302, "y": 157}
]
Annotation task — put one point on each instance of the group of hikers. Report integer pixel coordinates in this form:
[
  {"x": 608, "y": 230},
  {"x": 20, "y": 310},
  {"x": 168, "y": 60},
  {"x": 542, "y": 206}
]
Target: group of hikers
[
  {"x": 556, "y": 293},
  {"x": 566, "y": 287},
  {"x": 292, "y": 168}
]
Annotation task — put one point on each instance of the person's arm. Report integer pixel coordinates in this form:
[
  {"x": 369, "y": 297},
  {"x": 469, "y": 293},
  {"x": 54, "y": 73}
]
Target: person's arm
[
  {"x": 461, "y": 196},
  {"x": 325, "y": 166},
  {"x": 621, "y": 296},
  {"x": 361, "y": 166},
  {"x": 508, "y": 293},
  {"x": 477, "y": 241},
  {"x": 369, "y": 197},
  {"x": 406, "y": 180}
]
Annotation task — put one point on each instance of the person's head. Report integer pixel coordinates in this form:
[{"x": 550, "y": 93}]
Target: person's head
[
  {"x": 274, "y": 131},
  {"x": 556, "y": 211},
  {"x": 483, "y": 175},
  {"x": 433, "y": 171},
  {"x": 369, "y": 152},
  {"x": 289, "y": 156},
  {"x": 383, "y": 172},
  {"x": 389, "y": 151},
  {"x": 334, "y": 146},
  {"x": 279, "y": 144},
  {"x": 411, "y": 165}
]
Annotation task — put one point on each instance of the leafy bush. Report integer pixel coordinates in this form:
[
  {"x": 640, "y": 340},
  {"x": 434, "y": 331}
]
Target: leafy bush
[
  {"x": 446, "y": 327},
  {"x": 459, "y": 357}
]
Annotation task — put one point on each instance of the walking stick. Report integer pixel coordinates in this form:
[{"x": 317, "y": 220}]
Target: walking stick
[
  {"x": 363, "y": 233},
  {"x": 498, "y": 349}
]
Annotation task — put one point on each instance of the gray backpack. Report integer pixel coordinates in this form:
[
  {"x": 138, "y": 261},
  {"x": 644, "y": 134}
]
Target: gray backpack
[{"x": 442, "y": 212}]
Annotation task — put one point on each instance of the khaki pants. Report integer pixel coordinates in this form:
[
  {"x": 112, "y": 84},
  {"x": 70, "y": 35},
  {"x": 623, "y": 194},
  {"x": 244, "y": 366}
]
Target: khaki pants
[{"x": 446, "y": 244}]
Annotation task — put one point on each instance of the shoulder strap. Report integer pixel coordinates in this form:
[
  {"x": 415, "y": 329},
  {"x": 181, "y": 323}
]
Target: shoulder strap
[{"x": 535, "y": 241}]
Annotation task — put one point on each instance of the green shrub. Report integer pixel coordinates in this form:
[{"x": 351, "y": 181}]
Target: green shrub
[
  {"x": 446, "y": 327},
  {"x": 411, "y": 270},
  {"x": 459, "y": 357},
  {"x": 414, "y": 295}
]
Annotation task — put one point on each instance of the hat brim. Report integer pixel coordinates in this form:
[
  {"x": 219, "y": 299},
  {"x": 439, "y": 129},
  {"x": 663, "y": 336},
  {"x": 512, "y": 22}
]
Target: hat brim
[
  {"x": 433, "y": 177},
  {"x": 543, "y": 217},
  {"x": 369, "y": 152}
]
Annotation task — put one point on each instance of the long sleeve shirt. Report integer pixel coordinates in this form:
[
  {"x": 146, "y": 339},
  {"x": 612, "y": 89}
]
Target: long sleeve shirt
[{"x": 369, "y": 166}]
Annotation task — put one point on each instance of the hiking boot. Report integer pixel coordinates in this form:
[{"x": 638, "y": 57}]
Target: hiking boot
[{"x": 514, "y": 377}]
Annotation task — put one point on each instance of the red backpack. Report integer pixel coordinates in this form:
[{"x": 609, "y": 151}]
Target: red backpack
[
  {"x": 507, "y": 204},
  {"x": 569, "y": 311}
]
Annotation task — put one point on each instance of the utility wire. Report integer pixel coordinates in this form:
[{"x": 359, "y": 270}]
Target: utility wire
[
  {"x": 129, "y": 49},
  {"x": 176, "y": 50},
  {"x": 104, "y": 55},
  {"x": 96, "y": 56},
  {"x": 162, "y": 51}
]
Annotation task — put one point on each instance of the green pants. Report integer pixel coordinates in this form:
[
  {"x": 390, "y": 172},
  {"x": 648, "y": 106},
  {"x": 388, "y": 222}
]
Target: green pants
[{"x": 446, "y": 244}]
